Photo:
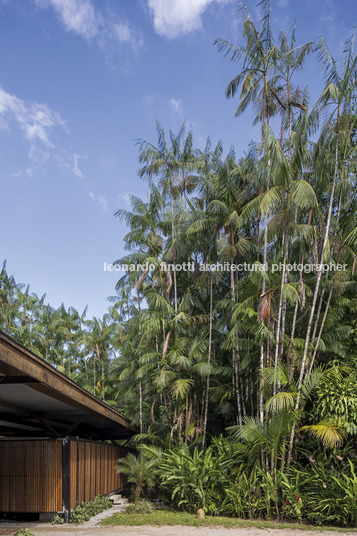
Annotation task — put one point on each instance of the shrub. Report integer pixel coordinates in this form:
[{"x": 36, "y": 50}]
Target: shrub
[
  {"x": 143, "y": 506},
  {"x": 140, "y": 470},
  {"x": 87, "y": 510},
  {"x": 25, "y": 532},
  {"x": 57, "y": 520},
  {"x": 197, "y": 479},
  {"x": 320, "y": 488}
]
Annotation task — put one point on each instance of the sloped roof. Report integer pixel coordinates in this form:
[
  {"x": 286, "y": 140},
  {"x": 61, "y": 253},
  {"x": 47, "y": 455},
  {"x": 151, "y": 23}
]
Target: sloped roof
[{"x": 36, "y": 400}]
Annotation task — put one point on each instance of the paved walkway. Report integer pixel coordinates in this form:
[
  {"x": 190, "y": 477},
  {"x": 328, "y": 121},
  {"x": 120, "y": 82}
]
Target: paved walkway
[
  {"x": 103, "y": 515},
  {"x": 10, "y": 528}
]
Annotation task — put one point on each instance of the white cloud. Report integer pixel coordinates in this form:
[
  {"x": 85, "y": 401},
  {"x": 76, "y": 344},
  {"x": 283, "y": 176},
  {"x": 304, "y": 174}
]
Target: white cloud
[
  {"x": 150, "y": 102},
  {"x": 28, "y": 172},
  {"x": 101, "y": 199},
  {"x": 126, "y": 197},
  {"x": 148, "y": 99},
  {"x": 175, "y": 17},
  {"x": 103, "y": 203},
  {"x": 120, "y": 31},
  {"x": 76, "y": 169},
  {"x": 77, "y": 16},
  {"x": 36, "y": 120},
  {"x": 81, "y": 18},
  {"x": 124, "y": 33},
  {"x": 176, "y": 105}
]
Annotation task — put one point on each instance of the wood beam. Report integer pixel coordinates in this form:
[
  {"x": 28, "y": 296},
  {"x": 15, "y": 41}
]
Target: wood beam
[
  {"x": 54, "y": 383},
  {"x": 47, "y": 425},
  {"x": 11, "y": 405},
  {"x": 73, "y": 426},
  {"x": 4, "y": 380}
]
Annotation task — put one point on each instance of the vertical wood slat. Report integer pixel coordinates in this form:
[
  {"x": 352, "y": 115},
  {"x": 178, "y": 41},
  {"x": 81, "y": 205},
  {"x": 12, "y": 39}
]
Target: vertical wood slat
[
  {"x": 30, "y": 476},
  {"x": 73, "y": 462},
  {"x": 81, "y": 476},
  {"x": 97, "y": 470},
  {"x": 66, "y": 478},
  {"x": 31, "y": 473},
  {"x": 92, "y": 472}
]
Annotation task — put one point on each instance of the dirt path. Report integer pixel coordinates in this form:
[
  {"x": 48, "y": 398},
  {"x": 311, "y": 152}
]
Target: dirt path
[{"x": 179, "y": 531}]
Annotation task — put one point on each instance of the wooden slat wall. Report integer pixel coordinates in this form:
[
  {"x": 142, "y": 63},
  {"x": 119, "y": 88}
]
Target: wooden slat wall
[
  {"x": 31, "y": 476},
  {"x": 31, "y": 473},
  {"x": 93, "y": 470}
]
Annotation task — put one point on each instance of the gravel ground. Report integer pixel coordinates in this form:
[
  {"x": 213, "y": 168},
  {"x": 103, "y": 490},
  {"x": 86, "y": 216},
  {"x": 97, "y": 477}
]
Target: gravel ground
[
  {"x": 9, "y": 528},
  {"x": 177, "y": 531}
]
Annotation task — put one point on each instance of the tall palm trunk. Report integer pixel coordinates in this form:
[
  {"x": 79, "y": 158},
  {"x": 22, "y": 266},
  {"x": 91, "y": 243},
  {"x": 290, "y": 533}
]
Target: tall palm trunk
[
  {"x": 317, "y": 287},
  {"x": 265, "y": 258},
  {"x": 235, "y": 351},
  {"x": 173, "y": 241},
  {"x": 141, "y": 416},
  {"x": 283, "y": 319},
  {"x": 236, "y": 363},
  {"x": 327, "y": 306},
  {"x": 291, "y": 363},
  {"x": 280, "y": 310},
  {"x": 295, "y": 220},
  {"x": 208, "y": 360}
]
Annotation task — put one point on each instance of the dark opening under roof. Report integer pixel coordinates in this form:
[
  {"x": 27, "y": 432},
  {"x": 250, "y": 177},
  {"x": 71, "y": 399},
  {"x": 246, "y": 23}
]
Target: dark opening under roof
[{"x": 36, "y": 400}]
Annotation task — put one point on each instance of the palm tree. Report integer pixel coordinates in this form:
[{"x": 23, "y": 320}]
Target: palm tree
[
  {"x": 339, "y": 93},
  {"x": 256, "y": 81},
  {"x": 171, "y": 162},
  {"x": 97, "y": 340},
  {"x": 144, "y": 222},
  {"x": 140, "y": 471},
  {"x": 9, "y": 302},
  {"x": 290, "y": 60}
]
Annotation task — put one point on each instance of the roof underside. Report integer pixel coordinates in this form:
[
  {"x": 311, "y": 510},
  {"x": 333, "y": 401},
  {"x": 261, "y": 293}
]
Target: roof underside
[{"x": 36, "y": 400}]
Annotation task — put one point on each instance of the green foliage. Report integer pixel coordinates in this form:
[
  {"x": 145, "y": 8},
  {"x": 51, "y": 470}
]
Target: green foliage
[
  {"x": 254, "y": 497},
  {"x": 87, "y": 510},
  {"x": 25, "y": 532},
  {"x": 217, "y": 480},
  {"x": 143, "y": 506},
  {"x": 140, "y": 470},
  {"x": 57, "y": 520},
  {"x": 336, "y": 398},
  {"x": 330, "y": 435},
  {"x": 327, "y": 494},
  {"x": 189, "y": 354},
  {"x": 196, "y": 479}
]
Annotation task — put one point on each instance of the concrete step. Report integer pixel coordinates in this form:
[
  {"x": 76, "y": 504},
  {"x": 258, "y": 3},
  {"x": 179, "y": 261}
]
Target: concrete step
[
  {"x": 115, "y": 497},
  {"x": 122, "y": 502}
]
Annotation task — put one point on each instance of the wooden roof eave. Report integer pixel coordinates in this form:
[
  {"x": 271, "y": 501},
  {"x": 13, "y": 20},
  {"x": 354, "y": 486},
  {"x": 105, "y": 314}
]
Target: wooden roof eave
[{"x": 54, "y": 383}]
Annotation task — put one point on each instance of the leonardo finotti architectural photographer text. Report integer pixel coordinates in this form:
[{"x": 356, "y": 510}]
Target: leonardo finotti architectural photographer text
[{"x": 224, "y": 267}]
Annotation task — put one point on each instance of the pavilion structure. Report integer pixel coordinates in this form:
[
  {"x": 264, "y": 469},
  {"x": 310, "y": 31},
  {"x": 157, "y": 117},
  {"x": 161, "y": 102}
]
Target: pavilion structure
[{"x": 57, "y": 441}]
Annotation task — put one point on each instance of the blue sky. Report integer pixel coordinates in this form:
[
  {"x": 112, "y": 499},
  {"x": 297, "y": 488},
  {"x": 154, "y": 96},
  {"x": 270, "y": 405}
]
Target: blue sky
[{"x": 80, "y": 82}]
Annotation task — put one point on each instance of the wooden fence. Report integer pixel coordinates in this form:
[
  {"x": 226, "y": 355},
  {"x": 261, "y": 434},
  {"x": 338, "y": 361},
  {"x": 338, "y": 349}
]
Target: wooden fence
[
  {"x": 92, "y": 470},
  {"x": 32, "y": 473}
]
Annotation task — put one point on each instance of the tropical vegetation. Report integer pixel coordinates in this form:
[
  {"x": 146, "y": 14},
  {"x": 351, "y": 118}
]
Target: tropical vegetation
[{"x": 233, "y": 347}]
